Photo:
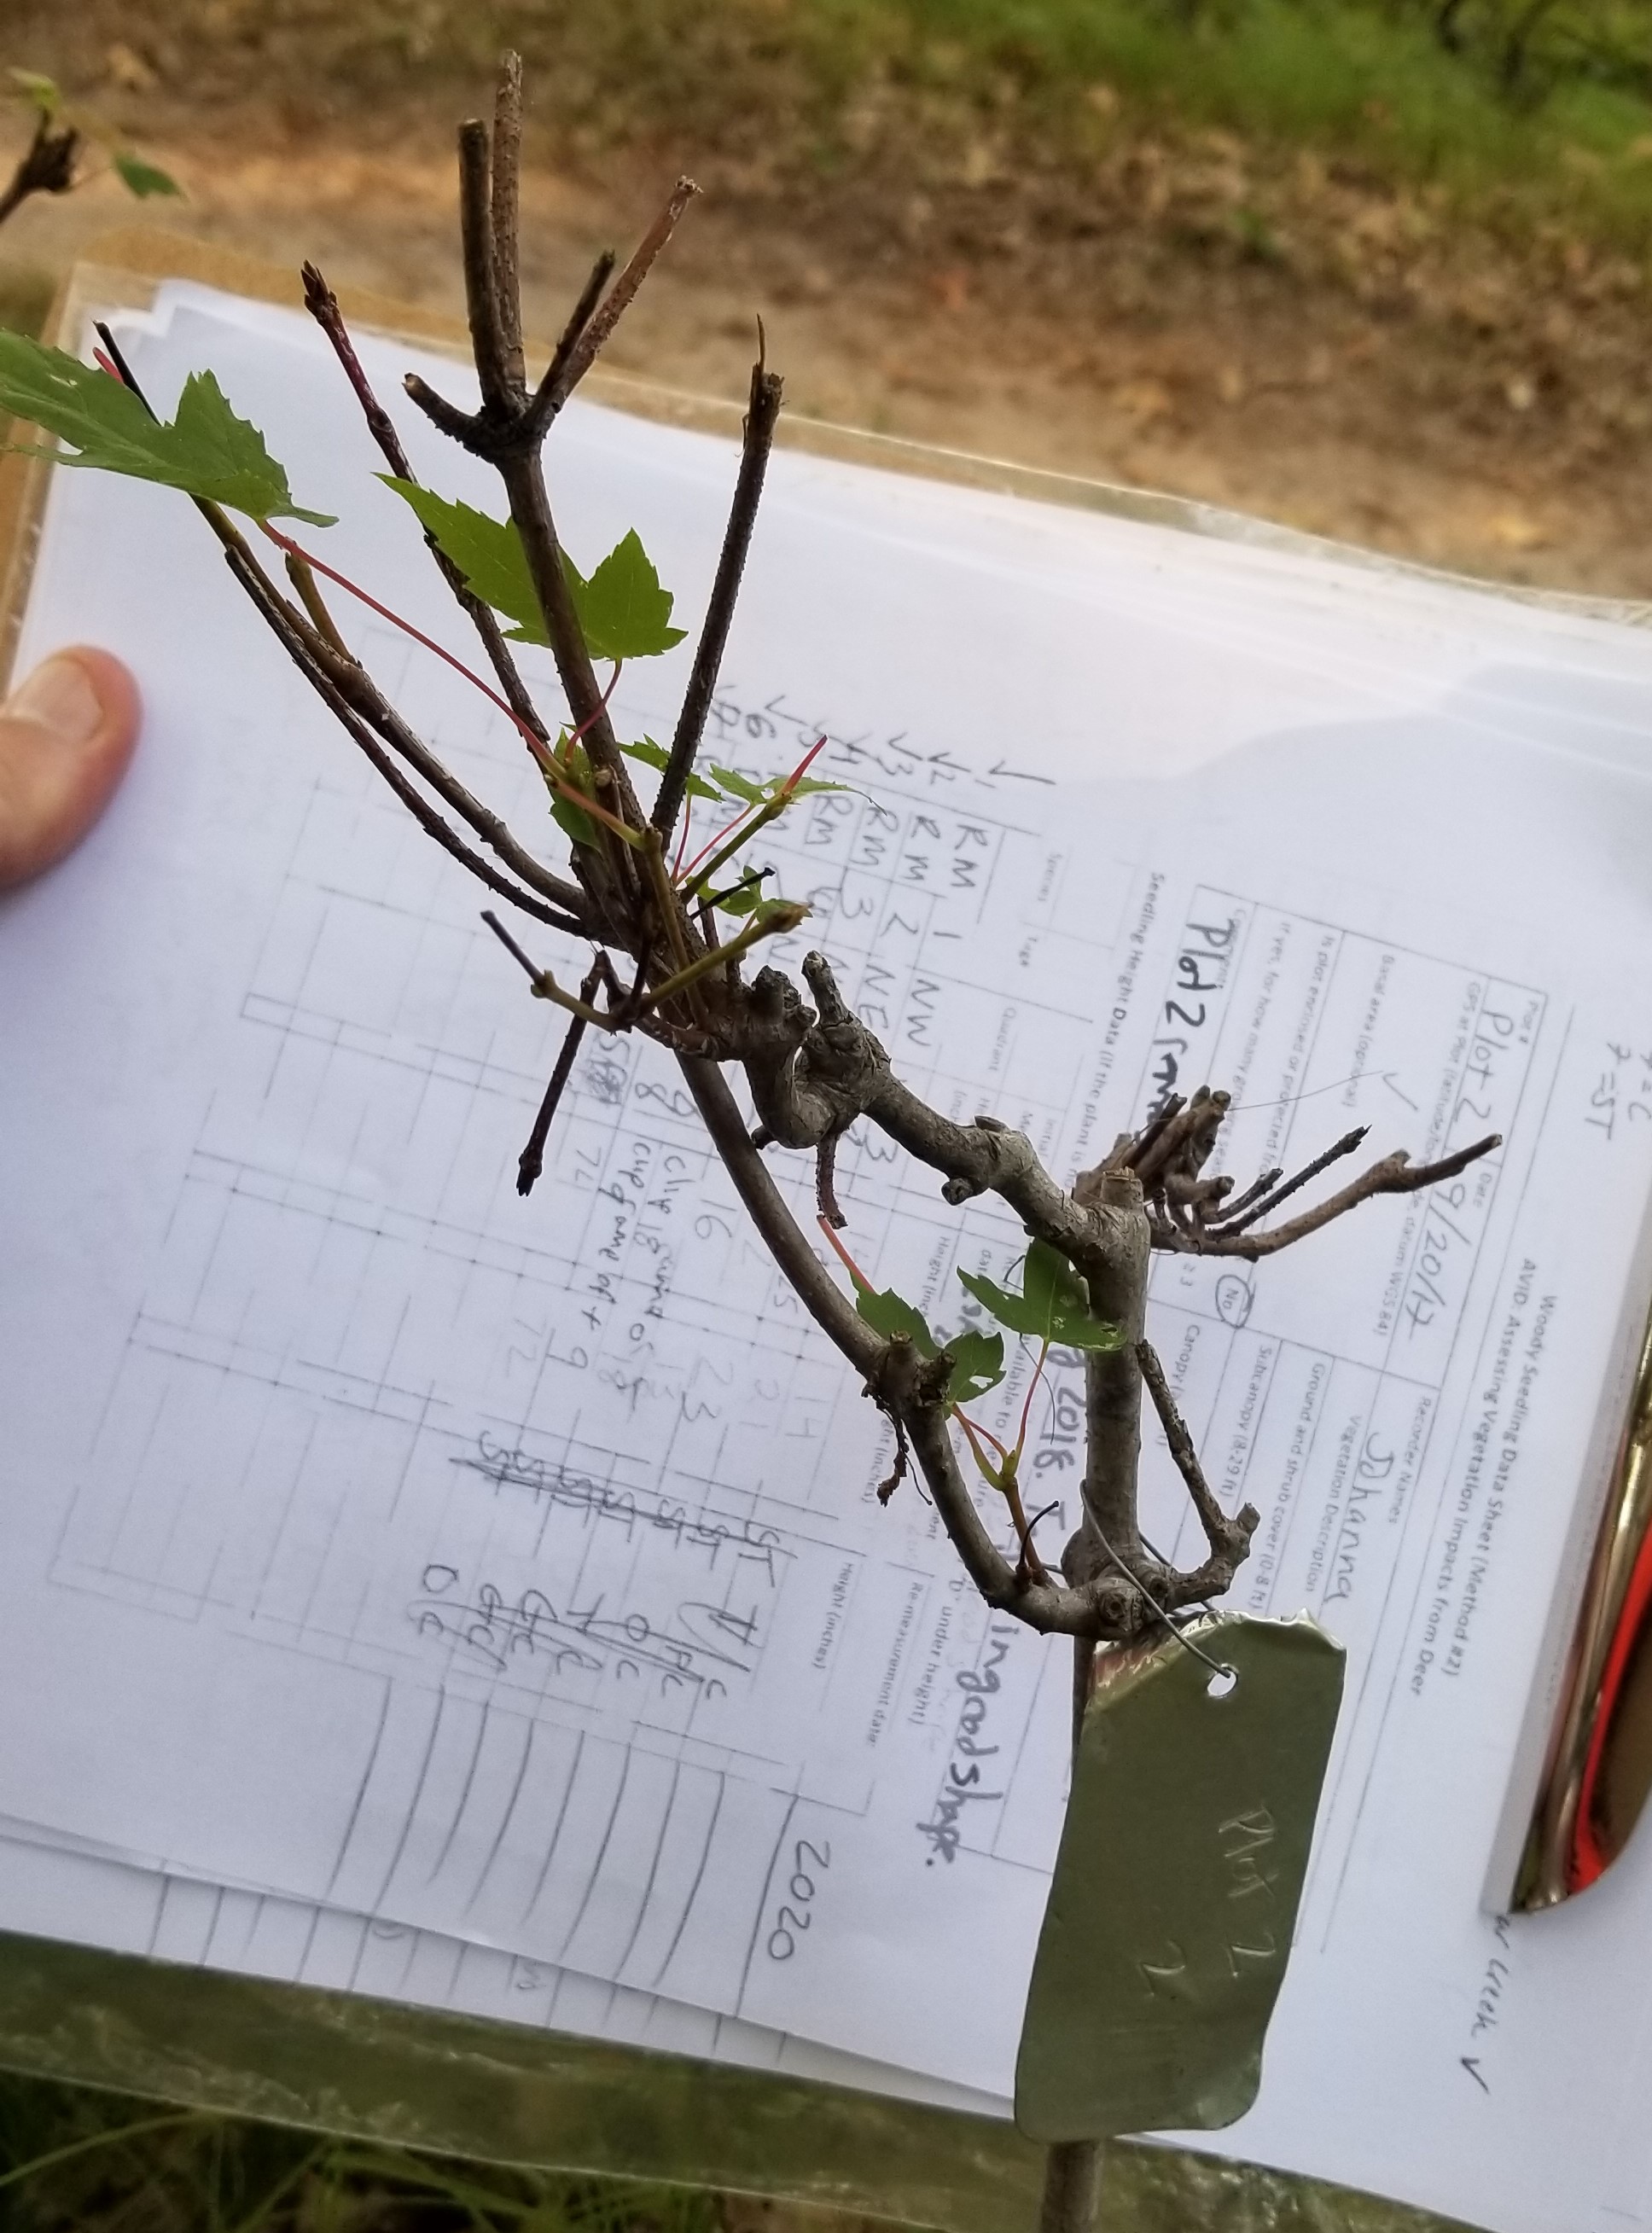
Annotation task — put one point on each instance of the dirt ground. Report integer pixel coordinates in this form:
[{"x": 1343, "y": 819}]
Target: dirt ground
[{"x": 1345, "y": 362}]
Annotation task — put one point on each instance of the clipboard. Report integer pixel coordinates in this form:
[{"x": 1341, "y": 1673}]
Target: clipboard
[{"x": 235, "y": 2044}]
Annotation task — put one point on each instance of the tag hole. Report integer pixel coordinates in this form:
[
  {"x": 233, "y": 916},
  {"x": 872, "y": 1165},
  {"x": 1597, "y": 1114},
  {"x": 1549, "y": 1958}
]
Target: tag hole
[{"x": 1222, "y": 1683}]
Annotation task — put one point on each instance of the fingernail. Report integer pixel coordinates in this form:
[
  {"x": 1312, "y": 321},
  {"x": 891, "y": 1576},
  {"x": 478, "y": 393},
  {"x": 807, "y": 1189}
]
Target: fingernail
[{"x": 60, "y": 697}]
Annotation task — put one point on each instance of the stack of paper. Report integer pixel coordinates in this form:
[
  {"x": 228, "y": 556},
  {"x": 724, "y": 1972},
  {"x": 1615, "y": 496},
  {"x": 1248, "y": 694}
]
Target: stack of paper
[{"x": 487, "y": 1604}]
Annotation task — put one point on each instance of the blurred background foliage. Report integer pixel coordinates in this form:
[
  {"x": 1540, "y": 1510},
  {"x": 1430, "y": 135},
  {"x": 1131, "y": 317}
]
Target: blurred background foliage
[
  {"x": 73, "y": 2161},
  {"x": 1526, "y": 110}
]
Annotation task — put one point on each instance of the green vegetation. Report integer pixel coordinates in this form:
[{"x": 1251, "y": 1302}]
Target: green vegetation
[
  {"x": 78, "y": 2162},
  {"x": 1525, "y": 113},
  {"x": 1348, "y": 74},
  {"x": 1554, "y": 127},
  {"x": 1568, "y": 132},
  {"x": 1532, "y": 111}
]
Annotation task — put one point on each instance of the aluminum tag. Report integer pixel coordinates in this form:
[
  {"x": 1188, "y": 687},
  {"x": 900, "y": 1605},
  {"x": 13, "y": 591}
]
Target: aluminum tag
[{"x": 1175, "y": 1892}]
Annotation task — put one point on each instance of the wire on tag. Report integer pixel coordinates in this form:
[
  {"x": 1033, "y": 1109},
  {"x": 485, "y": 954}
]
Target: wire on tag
[{"x": 1216, "y": 1666}]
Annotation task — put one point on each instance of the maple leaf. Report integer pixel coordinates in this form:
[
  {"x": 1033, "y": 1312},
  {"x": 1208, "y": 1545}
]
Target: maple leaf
[
  {"x": 622, "y": 609},
  {"x": 206, "y": 450},
  {"x": 1052, "y": 1306}
]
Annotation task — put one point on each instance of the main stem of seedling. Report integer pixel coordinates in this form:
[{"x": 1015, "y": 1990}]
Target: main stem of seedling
[
  {"x": 1072, "y": 2172},
  {"x": 1152, "y": 1192}
]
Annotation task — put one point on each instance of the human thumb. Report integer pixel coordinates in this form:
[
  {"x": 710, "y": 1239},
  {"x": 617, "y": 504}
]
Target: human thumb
[{"x": 66, "y": 734}]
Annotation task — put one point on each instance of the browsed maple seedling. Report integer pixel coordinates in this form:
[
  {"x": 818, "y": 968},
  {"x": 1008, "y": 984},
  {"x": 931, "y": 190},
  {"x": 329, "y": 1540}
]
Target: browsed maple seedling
[{"x": 673, "y": 926}]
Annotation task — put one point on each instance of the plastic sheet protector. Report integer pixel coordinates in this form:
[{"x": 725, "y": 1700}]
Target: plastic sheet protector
[{"x": 412, "y": 1588}]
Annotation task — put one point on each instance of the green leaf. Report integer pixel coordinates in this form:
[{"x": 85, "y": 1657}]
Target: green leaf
[
  {"x": 206, "y": 451},
  {"x": 805, "y": 786},
  {"x": 771, "y": 910},
  {"x": 76, "y": 402},
  {"x": 744, "y": 899},
  {"x": 220, "y": 456},
  {"x": 622, "y": 609},
  {"x": 977, "y": 1357},
  {"x": 978, "y": 1364},
  {"x": 741, "y": 786},
  {"x": 488, "y": 552},
  {"x": 572, "y": 820},
  {"x": 1009, "y": 1310},
  {"x": 896, "y": 1319},
  {"x": 576, "y": 770},
  {"x": 655, "y": 756},
  {"x": 1048, "y": 1280},
  {"x": 142, "y": 178},
  {"x": 774, "y": 790},
  {"x": 43, "y": 92},
  {"x": 1052, "y": 1306}
]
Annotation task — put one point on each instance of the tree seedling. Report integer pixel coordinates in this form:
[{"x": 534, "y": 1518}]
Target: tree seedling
[{"x": 673, "y": 926}]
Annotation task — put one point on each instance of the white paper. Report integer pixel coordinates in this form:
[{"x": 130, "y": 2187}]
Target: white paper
[
  {"x": 91, "y": 1898},
  {"x": 514, "y": 1574}
]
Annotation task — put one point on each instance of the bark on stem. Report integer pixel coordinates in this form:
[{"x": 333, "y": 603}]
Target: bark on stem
[
  {"x": 481, "y": 278},
  {"x": 1108, "y": 1607},
  {"x": 420, "y": 807},
  {"x": 324, "y": 306},
  {"x": 532, "y": 1161},
  {"x": 911, "y": 1390},
  {"x": 1072, "y": 2187},
  {"x": 819, "y": 1293},
  {"x": 560, "y": 382},
  {"x": 1394, "y": 1174},
  {"x": 357, "y": 689},
  {"x": 1117, "y": 1278},
  {"x": 503, "y": 218},
  {"x": 503, "y": 429},
  {"x": 756, "y": 439},
  {"x": 46, "y": 168}
]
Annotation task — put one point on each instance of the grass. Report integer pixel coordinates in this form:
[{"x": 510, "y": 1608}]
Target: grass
[
  {"x": 1366, "y": 82},
  {"x": 73, "y": 2161},
  {"x": 792, "y": 83},
  {"x": 1370, "y": 80}
]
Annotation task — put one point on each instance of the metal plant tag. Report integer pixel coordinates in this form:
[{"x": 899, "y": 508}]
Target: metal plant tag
[{"x": 1175, "y": 1892}]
